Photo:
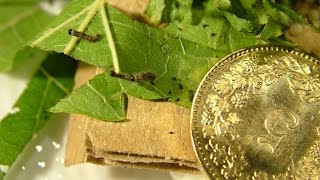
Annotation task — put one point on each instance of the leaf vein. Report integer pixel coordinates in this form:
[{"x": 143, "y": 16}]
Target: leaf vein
[
  {"x": 97, "y": 92},
  {"x": 104, "y": 99},
  {"x": 55, "y": 81},
  {"x": 165, "y": 69},
  {"x": 230, "y": 40},
  {"x": 182, "y": 46}
]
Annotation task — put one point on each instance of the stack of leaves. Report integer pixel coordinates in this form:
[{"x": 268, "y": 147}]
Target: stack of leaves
[{"x": 180, "y": 42}]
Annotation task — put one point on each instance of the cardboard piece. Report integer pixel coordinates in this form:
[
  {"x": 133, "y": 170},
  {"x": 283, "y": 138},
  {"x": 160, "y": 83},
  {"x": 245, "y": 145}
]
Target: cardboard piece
[{"x": 156, "y": 135}]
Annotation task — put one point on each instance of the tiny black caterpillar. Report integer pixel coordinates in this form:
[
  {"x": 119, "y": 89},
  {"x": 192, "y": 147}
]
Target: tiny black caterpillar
[
  {"x": 84, "y": 36},
  {"x": 135, "y": 76}
]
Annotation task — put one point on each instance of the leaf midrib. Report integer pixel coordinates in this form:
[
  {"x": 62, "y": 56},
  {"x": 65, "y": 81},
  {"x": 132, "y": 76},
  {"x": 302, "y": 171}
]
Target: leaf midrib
[{"x": 103, "y": 98}]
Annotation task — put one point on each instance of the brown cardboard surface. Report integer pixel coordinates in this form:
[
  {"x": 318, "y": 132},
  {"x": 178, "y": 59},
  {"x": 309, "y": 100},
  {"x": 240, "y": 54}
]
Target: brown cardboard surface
[{"x": 155, "y": 135}]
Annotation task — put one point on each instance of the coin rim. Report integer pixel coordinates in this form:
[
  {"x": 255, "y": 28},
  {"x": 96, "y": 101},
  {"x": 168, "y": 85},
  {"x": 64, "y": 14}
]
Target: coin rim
[{"x": 207, "y": 170}]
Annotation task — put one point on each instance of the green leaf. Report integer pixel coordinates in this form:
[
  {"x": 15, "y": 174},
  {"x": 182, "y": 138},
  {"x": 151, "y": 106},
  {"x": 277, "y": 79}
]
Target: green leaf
[
  {"x": 103, "y": 98},
  {"x": 207, "y": 33},
  {"x": 260, "y": 20},
  {"x": 234, "y": 40},
  {"x": 1, "y": 175},
  {"x": 291, "y": 13},
  {"x": 220, "y": 29},
  {"x": 271, "y": 30},
  {"x": 47, "y": 87},
  {"x": 217, "y": 23},
  {"x": 237, "y": 23},
  {"x": 139, "y": 47},
  {"x": 154, "y": 10},
  {"x": 281, "y": 13},
  {"x": 248, "y": 5},
  {"x": 179, "y": 61},
  {"x": 176, "y": 10},
  {"x": 19, "y": 23}
]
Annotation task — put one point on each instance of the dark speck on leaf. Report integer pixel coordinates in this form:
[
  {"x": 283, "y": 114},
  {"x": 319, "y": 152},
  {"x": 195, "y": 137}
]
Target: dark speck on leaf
[
  {"x": 169, "y": 92},
  {"x": 205, "y": 25},
  {"x": 181, "y": 86},
  {"x": 178, "y": 99},
  {"x": 46, "y": 116},
  {"x": 174, "y": 78},
  {"x": 153, "y": 83},
  {"x": 176, "y": 4},
  {"x": 179, "y": 29},
  {"x": 171, "y": 132},
  {"x": 213, "y": 34}
]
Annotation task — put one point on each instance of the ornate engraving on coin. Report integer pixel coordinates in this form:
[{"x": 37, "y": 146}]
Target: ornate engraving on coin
[
  {"x": 256, "y": 116},
  {"x": 303, "y": 78},
  {"x": 278, "y": 123}
]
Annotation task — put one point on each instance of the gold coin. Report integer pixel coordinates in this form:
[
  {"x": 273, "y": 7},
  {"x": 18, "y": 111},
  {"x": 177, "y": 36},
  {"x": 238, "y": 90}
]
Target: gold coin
[{"x": 255, "y": 115}]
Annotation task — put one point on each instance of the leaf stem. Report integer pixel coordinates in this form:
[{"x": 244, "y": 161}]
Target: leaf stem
[
  {"x": 83, "y": 26},
  {"x": 110, "y": 38}
]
